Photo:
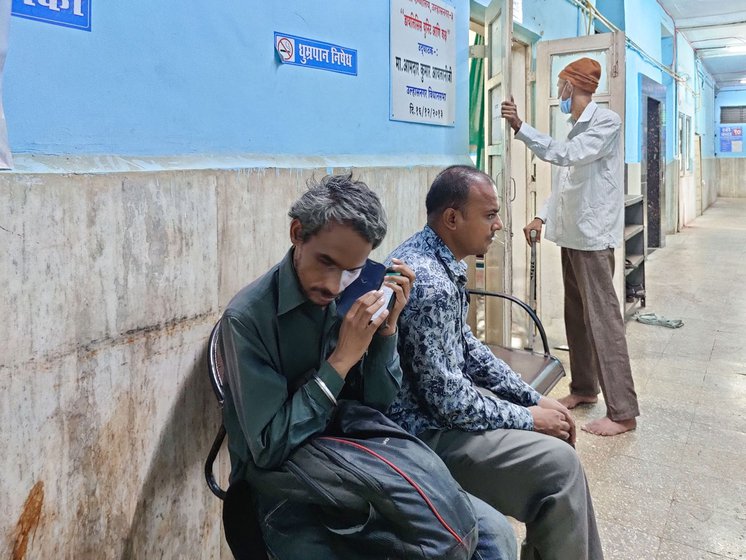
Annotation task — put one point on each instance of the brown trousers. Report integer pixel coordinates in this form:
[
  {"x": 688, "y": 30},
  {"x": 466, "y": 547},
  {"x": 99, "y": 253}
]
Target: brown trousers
[{"x": 595, "y": 332}]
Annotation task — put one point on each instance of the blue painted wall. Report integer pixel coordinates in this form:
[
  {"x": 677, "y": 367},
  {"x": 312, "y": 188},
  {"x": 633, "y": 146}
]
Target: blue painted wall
[
  {"x": 613, "y": 10},
  {"x": 645, "y": 32},
  {"x": 636, "y": 65},
  {"x": 727, "y": 99},
  {"x": 643, "y": 24},
  {"x": 706, "y": 116},
  {"x": 667, "y": 54},
  {"x": 686, "y": 101},
  {"x": 685, "y": 67},
  {"x": 163, "y": 78},
  {"x": 553, "y": 19}
]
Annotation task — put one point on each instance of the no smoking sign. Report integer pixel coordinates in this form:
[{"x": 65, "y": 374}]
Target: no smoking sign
[{"x": 285, "y": 47}]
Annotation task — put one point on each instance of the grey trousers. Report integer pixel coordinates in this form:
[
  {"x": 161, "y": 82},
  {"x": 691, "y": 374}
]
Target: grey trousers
[
  {"x": 535, "y": 478},
  {"x": 595, "y": 332}
]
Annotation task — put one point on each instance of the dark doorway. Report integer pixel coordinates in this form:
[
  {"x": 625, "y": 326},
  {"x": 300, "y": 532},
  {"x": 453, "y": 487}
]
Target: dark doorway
[
  {"x": 653, "y": 156},
  {"x": 653, "y": 172}
]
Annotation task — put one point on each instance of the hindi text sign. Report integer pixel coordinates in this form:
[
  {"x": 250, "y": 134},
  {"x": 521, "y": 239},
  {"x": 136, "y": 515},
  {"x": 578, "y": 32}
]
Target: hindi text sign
[
  {"x": 423, "y": 62},
  {"x": 300, "y": 51},
  {"x": 731, "y": 139},
  {"x": 67, "y": 13}
]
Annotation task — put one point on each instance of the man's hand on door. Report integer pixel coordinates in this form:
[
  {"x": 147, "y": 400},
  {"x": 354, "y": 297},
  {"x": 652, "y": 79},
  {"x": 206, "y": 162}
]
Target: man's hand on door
[{"x": 509, "y": 112}]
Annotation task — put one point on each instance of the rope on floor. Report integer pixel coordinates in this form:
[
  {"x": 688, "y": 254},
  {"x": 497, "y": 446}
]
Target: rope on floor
[{"x": 655, "y": 319}]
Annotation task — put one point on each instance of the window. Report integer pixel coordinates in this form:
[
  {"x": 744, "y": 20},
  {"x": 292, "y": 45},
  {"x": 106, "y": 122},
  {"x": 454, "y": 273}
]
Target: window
[{"x": 733, "y": 115}]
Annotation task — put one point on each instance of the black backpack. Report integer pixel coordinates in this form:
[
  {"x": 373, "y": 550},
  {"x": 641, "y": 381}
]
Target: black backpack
[{"x": 365, "y": 489}]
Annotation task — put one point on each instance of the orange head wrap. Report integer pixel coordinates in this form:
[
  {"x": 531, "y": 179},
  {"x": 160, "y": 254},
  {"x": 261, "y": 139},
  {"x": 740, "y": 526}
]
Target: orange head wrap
[{"x": 584, "y": 74}]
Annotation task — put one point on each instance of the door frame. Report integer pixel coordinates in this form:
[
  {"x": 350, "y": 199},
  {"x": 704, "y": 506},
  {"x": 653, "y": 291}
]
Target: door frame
[
  {"x": 522, "y": 196},
  {"x": 525, "y": 39},
  {"x": 498, "y": 41}
]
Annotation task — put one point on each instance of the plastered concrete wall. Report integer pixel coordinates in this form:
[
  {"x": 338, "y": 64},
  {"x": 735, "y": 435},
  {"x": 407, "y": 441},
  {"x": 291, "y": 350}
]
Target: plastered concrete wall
[
  {"x": 111, "y": 284},
  {"x": 670, "y": 199},
  {"x": 687, "y": 199},
  {"x": 731, "y": 172},
  {"x": 710, "y": 181}
]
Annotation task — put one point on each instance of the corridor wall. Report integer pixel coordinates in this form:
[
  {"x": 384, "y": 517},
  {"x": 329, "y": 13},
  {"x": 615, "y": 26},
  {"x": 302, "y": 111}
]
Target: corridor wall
[{"x": 156, "y": 158}]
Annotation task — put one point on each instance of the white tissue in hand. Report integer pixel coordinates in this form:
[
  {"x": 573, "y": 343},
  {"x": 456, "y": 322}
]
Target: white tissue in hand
[{"x": 387, "y": 294}]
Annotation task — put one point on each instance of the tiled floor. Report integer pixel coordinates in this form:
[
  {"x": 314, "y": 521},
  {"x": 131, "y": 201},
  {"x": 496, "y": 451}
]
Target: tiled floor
[{"x": 675, "y": 489}]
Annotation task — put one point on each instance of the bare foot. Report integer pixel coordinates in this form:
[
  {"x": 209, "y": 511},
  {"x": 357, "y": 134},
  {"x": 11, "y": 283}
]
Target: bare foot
[
  {"x": 607, "y": 427},
  {"x": 572, "y": 400}
]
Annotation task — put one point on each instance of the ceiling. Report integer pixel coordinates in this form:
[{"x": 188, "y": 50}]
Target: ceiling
[{"x": 716, "y": 29}]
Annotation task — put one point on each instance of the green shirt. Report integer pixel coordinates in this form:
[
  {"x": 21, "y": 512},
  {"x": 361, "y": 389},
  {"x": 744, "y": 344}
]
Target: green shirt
[{"x": 275, "y": 343}]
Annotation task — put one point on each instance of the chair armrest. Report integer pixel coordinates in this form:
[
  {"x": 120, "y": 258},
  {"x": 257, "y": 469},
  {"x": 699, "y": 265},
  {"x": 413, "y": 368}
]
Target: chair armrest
[
  {"x": 215, "y": 364},
  {"x": 209, "y": 476},
  {"x": 526, "y": 308}
]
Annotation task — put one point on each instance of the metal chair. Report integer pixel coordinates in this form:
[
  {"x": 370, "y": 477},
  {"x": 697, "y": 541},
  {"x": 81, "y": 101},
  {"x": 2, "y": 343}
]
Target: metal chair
[
  {"x": 215, "y": 371},
  {"x": 540, "y": 370},
  {"x": 241, "y": 525}
]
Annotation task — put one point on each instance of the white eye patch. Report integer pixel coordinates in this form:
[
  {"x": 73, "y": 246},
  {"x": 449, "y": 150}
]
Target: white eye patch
[{"x": 348, "y": 278}]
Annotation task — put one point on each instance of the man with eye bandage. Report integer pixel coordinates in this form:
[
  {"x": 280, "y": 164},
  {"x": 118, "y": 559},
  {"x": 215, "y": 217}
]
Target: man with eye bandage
[
  {"x": 288, "y": 356},
  {"x": 348, "y": 277}
]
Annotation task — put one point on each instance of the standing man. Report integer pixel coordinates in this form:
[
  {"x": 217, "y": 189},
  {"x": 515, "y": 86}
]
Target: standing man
[
  {"x": 288, "y": 357},
  {"x": 501, "y": 440},
  {"x": 584, "y": 215}
]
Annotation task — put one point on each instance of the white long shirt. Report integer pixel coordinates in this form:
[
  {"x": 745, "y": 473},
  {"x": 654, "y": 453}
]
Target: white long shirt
[{"x": 586, "y": 208}]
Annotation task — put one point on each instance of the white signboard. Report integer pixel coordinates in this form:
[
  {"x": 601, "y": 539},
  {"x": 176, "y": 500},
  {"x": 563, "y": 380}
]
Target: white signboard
[{"x": 423, "y": 62}]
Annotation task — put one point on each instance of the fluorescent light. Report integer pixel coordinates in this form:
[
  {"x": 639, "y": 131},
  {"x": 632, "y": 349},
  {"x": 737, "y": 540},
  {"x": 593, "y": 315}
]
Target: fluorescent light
[
  {"x": 743, "y": 81},
  {"x": 716, "y": 52}
]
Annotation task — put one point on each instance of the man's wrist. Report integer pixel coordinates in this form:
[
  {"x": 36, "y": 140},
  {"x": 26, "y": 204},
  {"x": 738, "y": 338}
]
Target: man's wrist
[
  {"x": 387, "y": 330},
  {"x": 341, "y": 366},
  {"x": 542, "y": 220}
]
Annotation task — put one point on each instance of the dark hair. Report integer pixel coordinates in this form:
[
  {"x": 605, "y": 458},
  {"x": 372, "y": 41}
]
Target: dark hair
[
  {"x": 340, "y": 199},
  {"x": 450, "y": 189}
]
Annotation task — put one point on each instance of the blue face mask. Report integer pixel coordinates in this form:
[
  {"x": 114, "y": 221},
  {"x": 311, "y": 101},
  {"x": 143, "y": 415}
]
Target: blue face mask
[{"x": 565, "y": 104}]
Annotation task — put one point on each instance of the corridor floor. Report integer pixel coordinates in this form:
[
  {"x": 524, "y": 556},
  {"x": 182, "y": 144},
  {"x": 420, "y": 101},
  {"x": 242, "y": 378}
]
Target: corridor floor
[{"x": 675, "y": 488}]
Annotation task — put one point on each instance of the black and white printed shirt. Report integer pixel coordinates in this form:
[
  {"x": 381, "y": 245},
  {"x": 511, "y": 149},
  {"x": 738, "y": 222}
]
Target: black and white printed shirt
[{"x": 442, "y": 361}]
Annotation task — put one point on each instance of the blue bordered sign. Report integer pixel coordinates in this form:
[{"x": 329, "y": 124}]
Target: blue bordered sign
[
  {"x": 300, "y": 51},
  {"x": 68, "y": 13},
  {"x": 731, "y": 139}
]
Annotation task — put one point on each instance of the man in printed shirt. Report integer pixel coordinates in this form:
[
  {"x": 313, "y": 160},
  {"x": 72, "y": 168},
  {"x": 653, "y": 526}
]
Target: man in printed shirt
[
  {"x": 584, "y": 215},
  {"x": 492, "y": 430},
  {"x": 288, "y": 357}
]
